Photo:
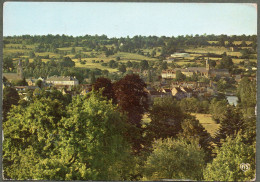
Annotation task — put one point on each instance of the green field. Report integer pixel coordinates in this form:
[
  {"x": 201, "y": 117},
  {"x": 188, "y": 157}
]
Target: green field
[
  {"x": 126, "y": 56},
  {"x": 207, "y": 122},
  {"x": 205, "y": 119},
  {"x": 51, "y": 54},
  {"x": 208, "y": 49},
  {"x": 89, "y": 64}
]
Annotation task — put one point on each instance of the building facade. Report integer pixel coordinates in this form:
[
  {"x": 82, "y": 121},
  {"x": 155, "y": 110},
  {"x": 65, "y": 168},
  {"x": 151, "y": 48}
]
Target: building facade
[
  {"x": 62, "y": 81},
  {"x": 201, "y": 71}
]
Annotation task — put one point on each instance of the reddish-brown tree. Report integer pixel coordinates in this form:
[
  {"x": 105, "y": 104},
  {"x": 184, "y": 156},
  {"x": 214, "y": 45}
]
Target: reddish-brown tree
[
  {"x": 132, "y": 99},
  {"x": 106, "y": 85}
]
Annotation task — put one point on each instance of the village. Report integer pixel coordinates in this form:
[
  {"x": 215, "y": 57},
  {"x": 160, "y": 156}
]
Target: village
[{"x": 168, "y": 86}]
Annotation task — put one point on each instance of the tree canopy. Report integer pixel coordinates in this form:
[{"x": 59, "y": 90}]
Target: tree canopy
[
  {"x": 174, "y": 159},
  {"x": 85, "y": 141},
  {"x": 132, "y": 99},
  {"x": 226, "y": 166}
]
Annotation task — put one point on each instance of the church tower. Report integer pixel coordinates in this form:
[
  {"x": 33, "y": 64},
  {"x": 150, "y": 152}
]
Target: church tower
[
  {"x": 207, "y": 64},
  {"x": 20, "y": 69}
]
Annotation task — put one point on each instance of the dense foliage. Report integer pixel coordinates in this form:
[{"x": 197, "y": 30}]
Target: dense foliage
[
  {"x": 226, "y": 166},
  {"x": 174, "y": 159},
  {"x": 10, "y": 97},
  {"x": 85, "y": 142},
  {"x": 132, "y": 100}
]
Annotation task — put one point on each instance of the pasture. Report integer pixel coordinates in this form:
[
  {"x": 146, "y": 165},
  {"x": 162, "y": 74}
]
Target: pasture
[{"x": 207, "y": 122}]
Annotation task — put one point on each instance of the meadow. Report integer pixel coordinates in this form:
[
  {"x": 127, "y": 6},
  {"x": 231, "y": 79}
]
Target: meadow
[{"x": 207, "y": 122}]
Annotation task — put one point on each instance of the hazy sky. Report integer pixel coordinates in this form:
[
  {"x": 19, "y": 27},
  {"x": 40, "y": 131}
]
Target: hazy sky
[{"x": 122, "y": 19}]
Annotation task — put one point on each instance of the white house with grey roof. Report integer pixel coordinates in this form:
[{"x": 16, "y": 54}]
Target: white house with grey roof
[
  {"x": 62, "y": 80},
  {"x": 180, "y": 55}
]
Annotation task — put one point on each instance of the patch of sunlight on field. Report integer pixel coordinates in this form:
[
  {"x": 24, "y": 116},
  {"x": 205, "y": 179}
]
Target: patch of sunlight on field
[
  {"x": 45, "y": 60},
  {"x": 31, "y": 46},
  {"x": 253, "y": 60},
  {"x": 183, "y": 62},
  {"x": 13, "y": 45},
  {"x": 132, "y": 56},
  {"x": 207, "y": 122},
  {"x": 239, "y": 42},
  {"x": 207, "y": 49},
  {"x": 211, "y": 58},
  {"x": 211, "y": 42},
  {"x": 11, "y": 51},
  {"x": 237, "y": 61},
  {"x": 65, "y": 49},
  {"x": 94, "y": 65},
  {"x": 51, "y": 54},
  {"x": 69, "y": 48},
  {"x": 20, "y": 45},
  {"x": 195, "y": 55},
  {"x": 234, "y": 54}
]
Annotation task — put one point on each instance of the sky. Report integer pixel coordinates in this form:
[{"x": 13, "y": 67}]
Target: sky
[{"x": 128, "y": 19}]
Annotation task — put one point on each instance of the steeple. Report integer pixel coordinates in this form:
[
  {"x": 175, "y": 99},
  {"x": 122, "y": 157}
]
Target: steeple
[{"x": 20, "y": 69}]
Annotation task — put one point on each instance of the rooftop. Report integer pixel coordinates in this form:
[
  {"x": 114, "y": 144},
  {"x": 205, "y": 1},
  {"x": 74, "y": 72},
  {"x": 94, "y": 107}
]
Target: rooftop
[{"x": 61, "y": 78}]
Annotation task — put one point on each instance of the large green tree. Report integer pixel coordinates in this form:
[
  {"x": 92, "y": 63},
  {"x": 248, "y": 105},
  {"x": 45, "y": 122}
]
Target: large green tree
[
  {"x": 246, "y": 92},
  {"x": 166, "y": 118},
  {"x": 31, "y": 135},
  {"x": 92, "y": 140},
  {"x": 83, "y": 142},
  {"x": 226, "y": 166},
  {"x": 217, "y": 109},
  {"x": 230, "y": 124},
  {"x": 192, "y": 130},
  {"x": 174, "y": 159},
  {"x": 226, "y": 62}
]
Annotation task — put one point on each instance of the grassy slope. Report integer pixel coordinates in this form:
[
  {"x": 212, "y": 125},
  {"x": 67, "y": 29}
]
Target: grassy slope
[
  {"x": 205, "y": 119},
  {"x": 207, "y": 122}
]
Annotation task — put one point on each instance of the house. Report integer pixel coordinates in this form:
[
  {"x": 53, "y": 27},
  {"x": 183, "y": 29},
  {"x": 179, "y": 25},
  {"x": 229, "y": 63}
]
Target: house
[
  {"x": 166, "y": 91},
  {"x": 178, "y": 93},
  {"x": 188, "y": 91},
  {"x": 155, "y": 94},
  {"x": 32, "y": 81},
  {"x": 152, "y": 93},
  {"x": 180, "y": 55},
  {"x": 168, "y": 74},
  {"x": 62, "y": 81},
  {"x": 22, "y": 89},
  {"x": 191, "y": 85}
]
